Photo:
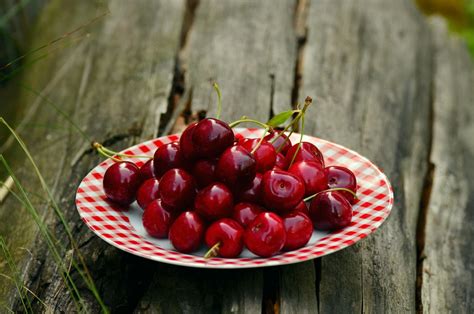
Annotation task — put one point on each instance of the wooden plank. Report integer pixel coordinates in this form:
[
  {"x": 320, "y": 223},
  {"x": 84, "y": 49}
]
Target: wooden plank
[
  {"x": 447, "y": 274},
  {"x": 250, "y": 51},
  {"x": 367, "y": 65},
  {"x": 117, "y": 85}
]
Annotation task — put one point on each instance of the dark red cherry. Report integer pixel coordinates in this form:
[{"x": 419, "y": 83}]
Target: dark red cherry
[
  {"x": 177, "y": 189},
  {"x": 245, "y": 213},
  {"x": 283, "y": 143},
  {"x": 330, "y": 210},
  {"x": 121, "y": 181},
  {"x": 281, "y": 190},
  {"x": 251, "y": 192},
  {"x": 147, "y": 192},
  {"x": 265, "y": 155},
  {"x": 308, "y": 152},
  {"x": 214, "y": 202},
  {"x": 187, "y": 232},
  {"x": 302, "y": 208},
  {"x": 186, "y": 145},
  {"x": 236, "y": 166},
  {"x": 280, "y": 162},
  {"x": 204, "y": 172},
  {"x": 229, "y": 234},
  {"x": 298, "y": 228},
  {"x": 147, "y": 171},
  {"x": 167, "y": 156},
  {"x": 156, "y": 219},
  {"x": 211, "y": 137},
  {"x": 265, "y": 236},
  {"x": 312, "y": 174},
  {"x": 341, "y": 177}
]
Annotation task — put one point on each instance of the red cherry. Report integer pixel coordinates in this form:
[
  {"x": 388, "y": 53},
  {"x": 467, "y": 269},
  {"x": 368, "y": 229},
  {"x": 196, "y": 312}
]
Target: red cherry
[
  {"x": 302, "y": 208},
  {"x": 341, "y": 177},
  {"x": 147, "y": 192},
  {"x": 308, "y": 152},
  {"x": 298, "y": 228},
  {"x": 156, "y": 219},
  {"x": 283, "y": 142},
  {"x": 121, "y": 181},
  {"x": 312, "y": 174},
  {"x": 281, "y": 190},
  {"x": 211, "y": 137},
  {"x": 229, "y": 234},
  {"x": 245, "y": 213},
  {"x": 167, "y": 156},
  {"x": 265, "y": 155},
  {"x": 204, "y": 172},
  {"x": 330, "y": 210},
  {"x": 236, "y": 166},
  {"x": 186, "y": 232},
  {"x": 280, "y": 162},
  {"x": 177, "y": 189},
  {"x": 265, "y": 236},
  {"x": 251, "y": 192},
  {"x": 186, "y": 142},
  {"x": 147, "y": 171},
  {"x": 214, "y": 201}
]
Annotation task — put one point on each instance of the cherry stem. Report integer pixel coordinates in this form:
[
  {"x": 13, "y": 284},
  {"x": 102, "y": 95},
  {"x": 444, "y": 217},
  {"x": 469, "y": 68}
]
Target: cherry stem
[
  {"x": 100, "y": 149},
  {"x": 213, "y": 251},
  {"x": 219, "y": 100},
  {"x": 260, "y": 141},
  {"x": 331, "y": 190},
  {"x": 245, "y": 119},
  {"x": 299, "y": 144},
  {"x": 110, "y": 153}
]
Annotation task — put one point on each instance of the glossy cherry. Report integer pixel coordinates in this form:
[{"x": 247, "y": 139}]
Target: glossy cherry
[
  {"x": 308, "y": 151},
  {"x": 229, "y": 234},
  {"x": 121, "y": 181},
  {"x": 302, "y": 207},
  {"x": 167, "y": 156},
  {"x": 330, "y": 210},
  {"x": 312, "y": 174},
  {"x": 236, "y": 166},
  {"x": 281, "y": 190},
  {"x": 147, "y": 171},
  {"x": 265, "y": 236},
  {"x": 147, "y": 192},
  {"x": 177, "y": 189},
  {"x": 214, "y": 202},
  {"x": 157, "y": 219},
  {"x": 298, "y": 228},
  {"x": 245, "y": 213},
  {"x": 204, "y": 172},
  {"x": 282, "y": 144},
  {"x": 280, "y": 162},
  {"x": 211, "y": 137},
  {"x": 186, "y": 144},
  {"x": 265, "y": 155},
  {"x": 251, "y": 192},
  {"x": 187, "y": 232},
  {"x": 341, "y": 177}
]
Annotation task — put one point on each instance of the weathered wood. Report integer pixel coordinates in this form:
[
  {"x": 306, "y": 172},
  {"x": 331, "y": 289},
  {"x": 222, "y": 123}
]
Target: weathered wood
[
  {"x": 117, "y": 85},
  {"x": 448, "y": 267},
  {"x": 367, "y": 64}
]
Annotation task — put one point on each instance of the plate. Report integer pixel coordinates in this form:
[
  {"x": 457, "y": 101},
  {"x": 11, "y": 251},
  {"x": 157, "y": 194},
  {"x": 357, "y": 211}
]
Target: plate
[{"x": 123, "y": 228}]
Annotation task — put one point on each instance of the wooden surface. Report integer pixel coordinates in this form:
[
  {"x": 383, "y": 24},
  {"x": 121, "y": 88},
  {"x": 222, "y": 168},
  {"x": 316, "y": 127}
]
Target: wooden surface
[{"x": 385, "y": 82}]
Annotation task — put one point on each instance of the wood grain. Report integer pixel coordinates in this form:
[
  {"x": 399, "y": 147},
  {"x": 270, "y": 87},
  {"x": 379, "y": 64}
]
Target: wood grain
[
  {"x": 367, "y": 65},
  {"x": 448, "y": 267}
]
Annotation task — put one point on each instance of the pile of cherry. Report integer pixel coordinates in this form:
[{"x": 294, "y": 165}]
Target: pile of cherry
[{"x": 231, "y": 192}]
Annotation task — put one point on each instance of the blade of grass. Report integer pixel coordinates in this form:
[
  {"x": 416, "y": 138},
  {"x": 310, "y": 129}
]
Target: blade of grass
[{"x": 30, "y": 292}]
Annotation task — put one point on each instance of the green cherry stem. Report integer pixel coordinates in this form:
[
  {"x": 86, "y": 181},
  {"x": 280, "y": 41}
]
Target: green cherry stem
[
  {"x": 219, "y": 100},
  {"x": 299, "y": 144},
  {"x": 125, "y": 155},
  {"x": 331, "y": 190},
  {"x": 99, "y": 148},
  {"x": 108, "y": 153},
  {"x": 259, "y": 142},
  {"x": 213, "y": 251},
  {"x": 245, "y": 119}
]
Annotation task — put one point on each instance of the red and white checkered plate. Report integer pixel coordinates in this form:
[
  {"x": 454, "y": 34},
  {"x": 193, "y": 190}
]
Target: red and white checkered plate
[{"x": 123, "y": 228}]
